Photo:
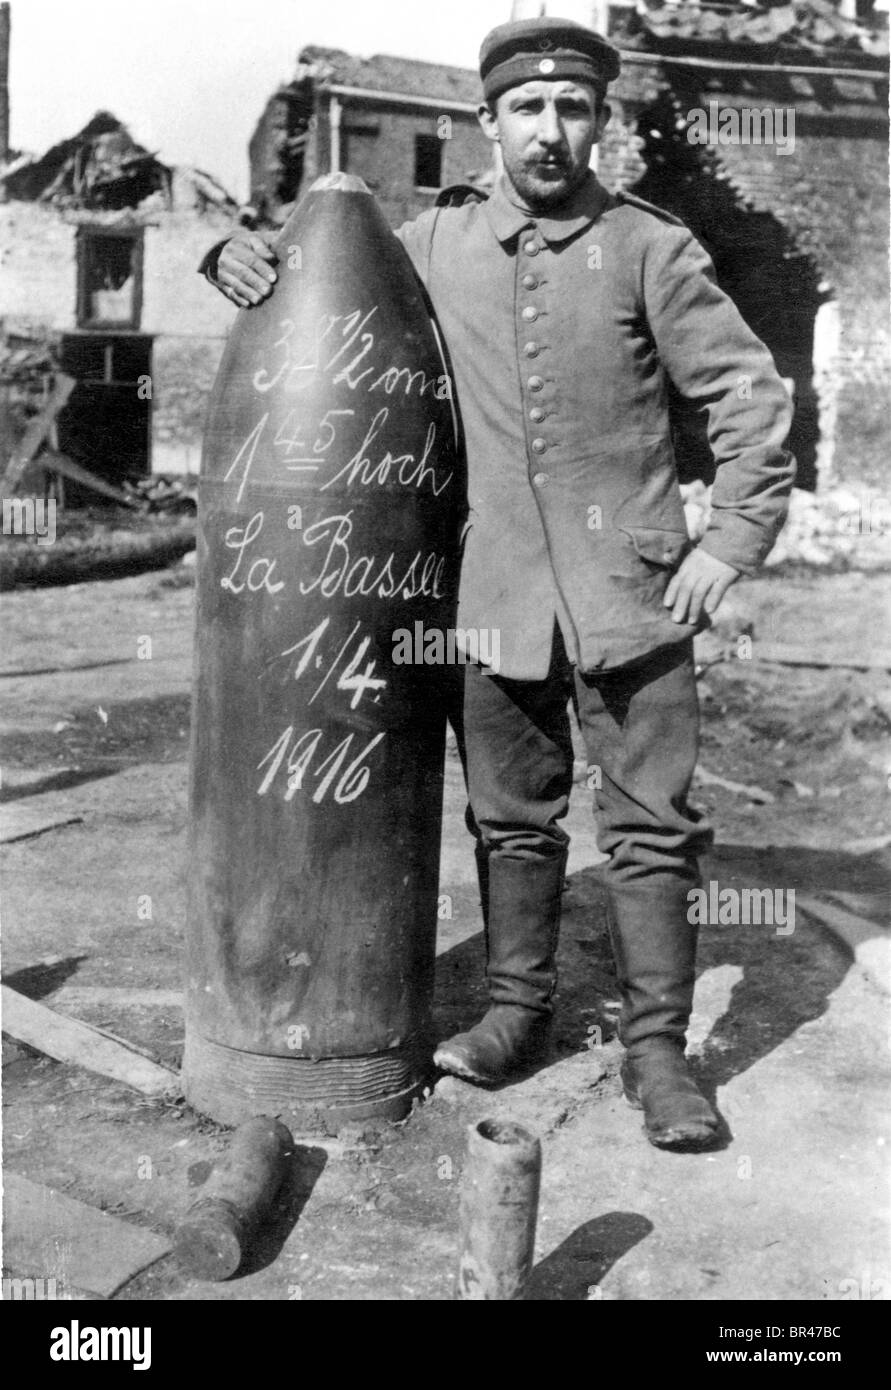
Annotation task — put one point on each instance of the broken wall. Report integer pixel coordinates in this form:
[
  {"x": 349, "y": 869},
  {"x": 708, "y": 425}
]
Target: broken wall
[
  {"x": 38, "y": 278},
  {"x": 829, "y": 194}
]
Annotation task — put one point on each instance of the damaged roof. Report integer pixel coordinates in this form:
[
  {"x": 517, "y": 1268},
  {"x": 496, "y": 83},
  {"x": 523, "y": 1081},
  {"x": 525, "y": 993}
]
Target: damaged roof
[
  {"x": 771, "y": 35},
  {"x": 103, "y": 169},
  {"x": 385, "y": 73},
  {"x": 100, "y": 167}
]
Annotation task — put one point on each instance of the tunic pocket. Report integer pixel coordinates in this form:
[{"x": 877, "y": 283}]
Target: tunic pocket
[{"x": 658, "y": 546}]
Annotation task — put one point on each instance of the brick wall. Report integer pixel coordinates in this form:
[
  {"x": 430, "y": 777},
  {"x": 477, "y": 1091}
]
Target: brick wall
[
  {"x": 378, "y": 144},
  {"x": 830, "y": 195}
]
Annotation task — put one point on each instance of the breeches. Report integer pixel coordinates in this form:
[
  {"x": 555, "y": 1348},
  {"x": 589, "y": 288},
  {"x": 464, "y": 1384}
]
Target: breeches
[{"x": 640, "y": 724}]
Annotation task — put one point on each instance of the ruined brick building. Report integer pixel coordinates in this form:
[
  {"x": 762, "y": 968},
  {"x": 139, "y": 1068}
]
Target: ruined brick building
[
  {"x": 798, "y": 234},
  {"x": 99, "y": 241}
]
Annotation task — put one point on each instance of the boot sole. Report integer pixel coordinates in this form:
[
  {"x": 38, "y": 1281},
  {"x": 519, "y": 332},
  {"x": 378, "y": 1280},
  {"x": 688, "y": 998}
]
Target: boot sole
[{"x": 455, "y": 1066}]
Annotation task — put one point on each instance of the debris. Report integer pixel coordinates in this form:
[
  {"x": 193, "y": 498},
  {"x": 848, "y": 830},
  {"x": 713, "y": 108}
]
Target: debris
[
  {"x": 813, "y": 26},
  {"x": 54, "y": 462},
  {"x": 164, "y": 492},
  {"x": 712, "y": 779},
  {"x": 69, "y": 1040},
  {"x": 782, "y": 654},
  {"x": 22, "y": 824},
  {"x": 101, "y": 556},
  {"x": 799, "y": 788},
  {"x": 37, "y": 431},
  {"x": 195, "y": 188},
  {"x": 872, "y": 845},
  {"x": 837, "y": 527},
  {"x": 14, "y": 673}
]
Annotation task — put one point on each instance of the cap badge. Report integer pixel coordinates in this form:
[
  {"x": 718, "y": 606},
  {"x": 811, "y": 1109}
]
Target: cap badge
[{"x": 545, "y": 44}]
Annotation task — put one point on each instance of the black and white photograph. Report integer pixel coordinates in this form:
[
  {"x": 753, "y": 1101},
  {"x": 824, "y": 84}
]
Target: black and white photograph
[{"x": 446, "y": 665}]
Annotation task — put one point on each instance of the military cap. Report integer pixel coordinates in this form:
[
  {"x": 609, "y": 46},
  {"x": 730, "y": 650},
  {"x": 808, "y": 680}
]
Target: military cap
[{"x": 529, "y": 50}]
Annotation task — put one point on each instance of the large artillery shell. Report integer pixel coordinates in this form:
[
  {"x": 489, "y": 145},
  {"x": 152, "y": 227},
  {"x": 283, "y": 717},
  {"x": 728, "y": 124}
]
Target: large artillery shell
[
  {"x": 499, "y": 1208},
  {"x": 330, "y": 507}
]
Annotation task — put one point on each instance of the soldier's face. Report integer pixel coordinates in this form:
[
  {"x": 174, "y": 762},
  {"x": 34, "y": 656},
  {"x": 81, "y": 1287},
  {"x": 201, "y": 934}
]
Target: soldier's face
[{"x": 546, "y": 131}]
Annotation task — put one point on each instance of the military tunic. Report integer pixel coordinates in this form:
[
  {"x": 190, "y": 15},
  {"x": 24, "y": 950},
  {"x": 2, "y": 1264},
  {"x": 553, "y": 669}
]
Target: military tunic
[{"x": 562, "y": 332}]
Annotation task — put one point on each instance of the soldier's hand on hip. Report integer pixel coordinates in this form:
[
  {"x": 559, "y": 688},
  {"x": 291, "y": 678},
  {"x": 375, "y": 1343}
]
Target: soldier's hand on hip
[
  {"x": 245, "y": 271},
  {"x": 699, "y": 583}
]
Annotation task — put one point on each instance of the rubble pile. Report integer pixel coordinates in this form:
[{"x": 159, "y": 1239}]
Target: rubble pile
[
  {"x": 836, "y": 528},
  {"x": 811, "y": 25},
  {"x": 28, "y": 365},
  {"x": 165, "y": 492}
]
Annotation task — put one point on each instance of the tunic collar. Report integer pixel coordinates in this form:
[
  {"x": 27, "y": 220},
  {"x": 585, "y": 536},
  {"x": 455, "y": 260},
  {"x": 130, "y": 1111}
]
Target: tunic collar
[{"x": 507, "y": 219}]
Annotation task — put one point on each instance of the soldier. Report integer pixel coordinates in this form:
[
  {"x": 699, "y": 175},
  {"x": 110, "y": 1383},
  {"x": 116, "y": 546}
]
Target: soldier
[{"x": 567, "y": 311}]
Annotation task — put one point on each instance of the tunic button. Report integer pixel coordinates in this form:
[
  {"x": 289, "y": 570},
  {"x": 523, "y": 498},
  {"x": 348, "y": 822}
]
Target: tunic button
[
  {"x": 540, "y": 479},
  {"x": 536, "y": 413},
  {"x": 535, "y": 383},
  {"x": 530, "y": 314},
  {"x": 530, "y": 282},
  {"x": 539, "y": 445},
  {"x": 531, "y": 248},
  {"x": 532, "y": 349}
]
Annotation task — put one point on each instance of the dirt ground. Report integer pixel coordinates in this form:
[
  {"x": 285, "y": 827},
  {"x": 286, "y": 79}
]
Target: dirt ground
[{"x": 789, "y": 1032}]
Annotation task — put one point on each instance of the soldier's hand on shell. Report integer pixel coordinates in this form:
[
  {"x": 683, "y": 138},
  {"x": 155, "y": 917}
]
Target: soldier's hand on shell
[
  {"x": 245, "y": 271},
  {"x": 699, "y": 583}
]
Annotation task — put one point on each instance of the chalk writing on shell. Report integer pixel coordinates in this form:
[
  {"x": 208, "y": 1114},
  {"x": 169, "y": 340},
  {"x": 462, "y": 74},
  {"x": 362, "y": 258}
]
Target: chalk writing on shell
[
  {"x": 258, "y": 574},
  {"x": 299, "y": 364},
  {"x": 300, "y": 753},
  {"x": 343, "y": 572},
  {"x": 357, "y": 682},
  {"x": 407, "y": 469},
  {"x": 286, "y": 438},
  {"x": 338, "y": 450},
  {"x": 245, "y": 456}
]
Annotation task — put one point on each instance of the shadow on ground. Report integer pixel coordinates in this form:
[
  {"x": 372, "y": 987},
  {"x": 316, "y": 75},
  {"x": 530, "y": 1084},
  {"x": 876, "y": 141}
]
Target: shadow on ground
[
  {"x": 304, "y": 1171},
  {"x": 579, "y": 1264},
  {"x": 37, "y": 981}
]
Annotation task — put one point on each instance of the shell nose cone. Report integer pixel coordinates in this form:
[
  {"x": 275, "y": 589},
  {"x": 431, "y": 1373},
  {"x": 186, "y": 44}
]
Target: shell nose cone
[{"x": 339, "y": 183}]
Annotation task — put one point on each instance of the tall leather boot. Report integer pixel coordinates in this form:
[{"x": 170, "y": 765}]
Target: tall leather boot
[
  {"x": 481, "y": 855},
  {"x": 522, "y": 931},
  {"x": 655, "y": 950}
]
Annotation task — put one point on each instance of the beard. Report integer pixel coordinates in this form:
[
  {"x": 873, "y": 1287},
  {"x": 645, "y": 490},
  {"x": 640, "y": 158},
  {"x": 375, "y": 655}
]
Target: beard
[{"x": 542, "y": 189}]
